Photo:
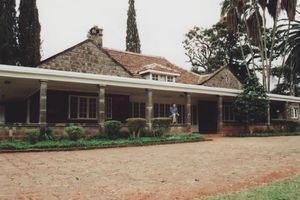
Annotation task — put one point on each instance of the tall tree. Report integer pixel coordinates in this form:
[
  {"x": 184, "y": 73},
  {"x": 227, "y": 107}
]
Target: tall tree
[
  {"x": 212, "y": 48},
  {"x": 252, "y": 13},
  {"x": 8, "y": 32},
  {"x": 29, "y": 33},
  {"x": 132, "y": 37},
  {"x": 291, "y": 46}
]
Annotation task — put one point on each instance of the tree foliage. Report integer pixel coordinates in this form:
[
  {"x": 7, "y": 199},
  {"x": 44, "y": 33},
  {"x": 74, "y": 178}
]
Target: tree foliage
[
  {"x": 289, "y": 46},
  {"x": 252, "y": 13},
  {"x": 251, "y": 104},
  {"x": 29, "y": 33},
  {"x": 8, "y": 32},
  {"x": 132, "y": 36},
  {"x": 212, "y": 48}
]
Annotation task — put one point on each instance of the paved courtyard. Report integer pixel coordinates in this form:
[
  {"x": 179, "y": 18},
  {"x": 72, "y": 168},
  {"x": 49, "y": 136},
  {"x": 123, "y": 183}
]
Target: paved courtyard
[{"x": 181, "y": 171}]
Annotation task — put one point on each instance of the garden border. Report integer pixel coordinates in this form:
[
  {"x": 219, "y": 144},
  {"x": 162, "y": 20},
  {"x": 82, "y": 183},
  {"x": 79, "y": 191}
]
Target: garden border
[{"x": 103, "y": 147}]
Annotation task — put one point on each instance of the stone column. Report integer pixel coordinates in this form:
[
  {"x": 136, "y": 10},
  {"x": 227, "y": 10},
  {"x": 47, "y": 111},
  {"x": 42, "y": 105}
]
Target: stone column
[
  {"x": 269, "y": 114},
  {"x": 28, "y": 111},
  {"x": 43, "y": 103},
  {"x": 101, "y": 105},
  {"x": 188, "y": 107},
  {"x": 149, "y": 108},
  {"x": 286, "y": 111},
  {"x": 220, "y": 114}
]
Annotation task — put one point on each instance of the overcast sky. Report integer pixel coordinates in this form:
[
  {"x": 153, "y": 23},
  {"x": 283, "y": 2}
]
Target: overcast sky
[{"x": 162, "y": 24}]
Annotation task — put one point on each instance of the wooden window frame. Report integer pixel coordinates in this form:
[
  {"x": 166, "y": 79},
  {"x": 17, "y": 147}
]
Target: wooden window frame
[{"x": 78, "y": 107}]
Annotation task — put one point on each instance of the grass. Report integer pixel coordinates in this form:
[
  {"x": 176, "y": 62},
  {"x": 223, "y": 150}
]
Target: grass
[
  {"x": 287, "y": 189},
  {"x": 85, "y": 143}
]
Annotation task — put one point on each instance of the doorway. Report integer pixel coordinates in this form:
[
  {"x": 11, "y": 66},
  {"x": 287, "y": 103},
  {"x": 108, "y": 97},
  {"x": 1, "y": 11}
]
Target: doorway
[{"x": 207, "y": 117}]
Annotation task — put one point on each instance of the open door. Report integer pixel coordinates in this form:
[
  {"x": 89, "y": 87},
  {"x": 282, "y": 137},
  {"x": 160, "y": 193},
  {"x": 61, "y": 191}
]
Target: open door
[{"x": 207, "y": 117}]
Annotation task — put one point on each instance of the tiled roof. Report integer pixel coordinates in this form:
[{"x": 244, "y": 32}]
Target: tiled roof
[
  {"x": 135, "y": 63},
  {"x": 158, "y": 67}
]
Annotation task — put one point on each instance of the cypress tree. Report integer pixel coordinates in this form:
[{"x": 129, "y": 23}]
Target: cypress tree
[
  {"x": 29, "y": 33},
  {"x": 8, "y": 32},
  {"x": 132, "y": 36}
]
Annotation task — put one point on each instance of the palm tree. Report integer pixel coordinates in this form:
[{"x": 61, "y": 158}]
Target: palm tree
[
  {"x": 255, "y": 21},
  {"x": 291, "y": 46}
]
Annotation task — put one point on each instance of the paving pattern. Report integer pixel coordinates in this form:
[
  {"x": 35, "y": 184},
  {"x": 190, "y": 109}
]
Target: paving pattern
[{"x": 180, "y": 171}]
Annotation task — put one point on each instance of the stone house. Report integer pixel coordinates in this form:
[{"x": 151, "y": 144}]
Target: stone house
[{"x": 88, "y": 84}]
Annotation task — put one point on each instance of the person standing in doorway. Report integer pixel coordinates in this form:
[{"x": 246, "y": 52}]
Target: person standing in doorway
[{"x": 174, "y": 113}]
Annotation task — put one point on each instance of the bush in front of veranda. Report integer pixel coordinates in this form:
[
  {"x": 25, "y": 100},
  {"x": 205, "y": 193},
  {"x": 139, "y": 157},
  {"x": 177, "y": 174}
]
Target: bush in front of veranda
[
  {"x": 32, "y": 135},
  {"x": 75, "y": 132},
  {"x": 161, "y": 125},
  {"x": 136, "y": 125},
  {"x": 112, "y": 128}
]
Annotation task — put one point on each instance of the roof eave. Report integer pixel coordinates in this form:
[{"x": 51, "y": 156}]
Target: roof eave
[{"x": 85, "y": 78}]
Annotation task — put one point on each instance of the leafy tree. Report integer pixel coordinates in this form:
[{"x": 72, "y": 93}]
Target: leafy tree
[
  {"x": 132, "y": 36},
  {"x": 252, "y": 13},
  {"x": 290, "y": 46},
  {"x": 212, "y": 48},
  {"x": 29, "y": 33},
  {"x": 251, "y": 105},
  {"x": 8, "y": 32}
]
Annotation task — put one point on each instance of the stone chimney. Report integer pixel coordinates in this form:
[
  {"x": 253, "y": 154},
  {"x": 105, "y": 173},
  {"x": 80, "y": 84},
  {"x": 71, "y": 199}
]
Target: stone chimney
[{"x": 95, "y": 34}]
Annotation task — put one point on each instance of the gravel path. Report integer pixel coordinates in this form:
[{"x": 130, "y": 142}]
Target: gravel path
[{"x": 180, "y": 171}]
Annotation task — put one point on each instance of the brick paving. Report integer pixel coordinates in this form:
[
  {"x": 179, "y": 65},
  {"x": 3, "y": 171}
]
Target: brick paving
[{"x": 180, "y": 171}]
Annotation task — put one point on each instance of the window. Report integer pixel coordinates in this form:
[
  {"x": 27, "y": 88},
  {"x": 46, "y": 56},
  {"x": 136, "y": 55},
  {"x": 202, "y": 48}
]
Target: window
[
  {"x": 81, "y": 107},
  {"x": 181, "y": 111},
  {"x": 228, "y": 113},
  {"x": 85, "y": 108},
  {"x": 161, "y": 110},
  {"x": 155, "y": 77},
  {"x": 294, "y": 112},
  {"x": 138, "y": 110},
  {"x": 170, "y": 79}
]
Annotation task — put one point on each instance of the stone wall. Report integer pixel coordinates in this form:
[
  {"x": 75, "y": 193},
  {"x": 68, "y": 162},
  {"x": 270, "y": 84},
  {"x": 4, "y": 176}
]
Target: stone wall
[
  {"x": 16, "y": 131},
  {"x": 224, "y": 79},
  {"x": 236, "y": 130},
  {"x": 86, "y": 58}
]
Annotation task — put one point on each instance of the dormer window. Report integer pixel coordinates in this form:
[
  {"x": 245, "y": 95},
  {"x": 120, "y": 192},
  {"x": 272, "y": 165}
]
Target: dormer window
[
  {"x": 157, "y": 72},
  {"x": 170, "y": 79},
  {"x": 155, "y": 77}
]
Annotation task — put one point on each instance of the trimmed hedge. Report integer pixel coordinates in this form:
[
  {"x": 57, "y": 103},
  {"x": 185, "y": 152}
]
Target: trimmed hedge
[
  {"x": 74, "y": 132},
  {"x": 162, "y": 122},
  {"x": 161, "y": 125},
  {"x": 32, "y": 135},
  {"x": 112, "y": 128},
  {"x": 136, "y": 125}
]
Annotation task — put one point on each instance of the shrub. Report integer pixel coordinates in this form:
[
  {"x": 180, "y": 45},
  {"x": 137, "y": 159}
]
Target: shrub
[
  {"x": 161, "y": 125},
  {"x": 147, "y": 133},
  {"x": 158, "y": 132},
  {"x": 136, "y": 125},
  {"x": 46, "y": 134},
  {"x": 124, "y": 132},
  {"x": 112, "y": 128},
  {"x": 292, "y": 126},
  {"x": 32, "y": 135},
  {"x": 162, "y": 122},
  {"x": 74, "y": 132}
]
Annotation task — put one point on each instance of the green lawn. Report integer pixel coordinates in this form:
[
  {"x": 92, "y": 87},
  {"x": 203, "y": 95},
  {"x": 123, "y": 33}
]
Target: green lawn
[
  {"x": 287, "y": 189},
  {"x": 23, "y": 145}
]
